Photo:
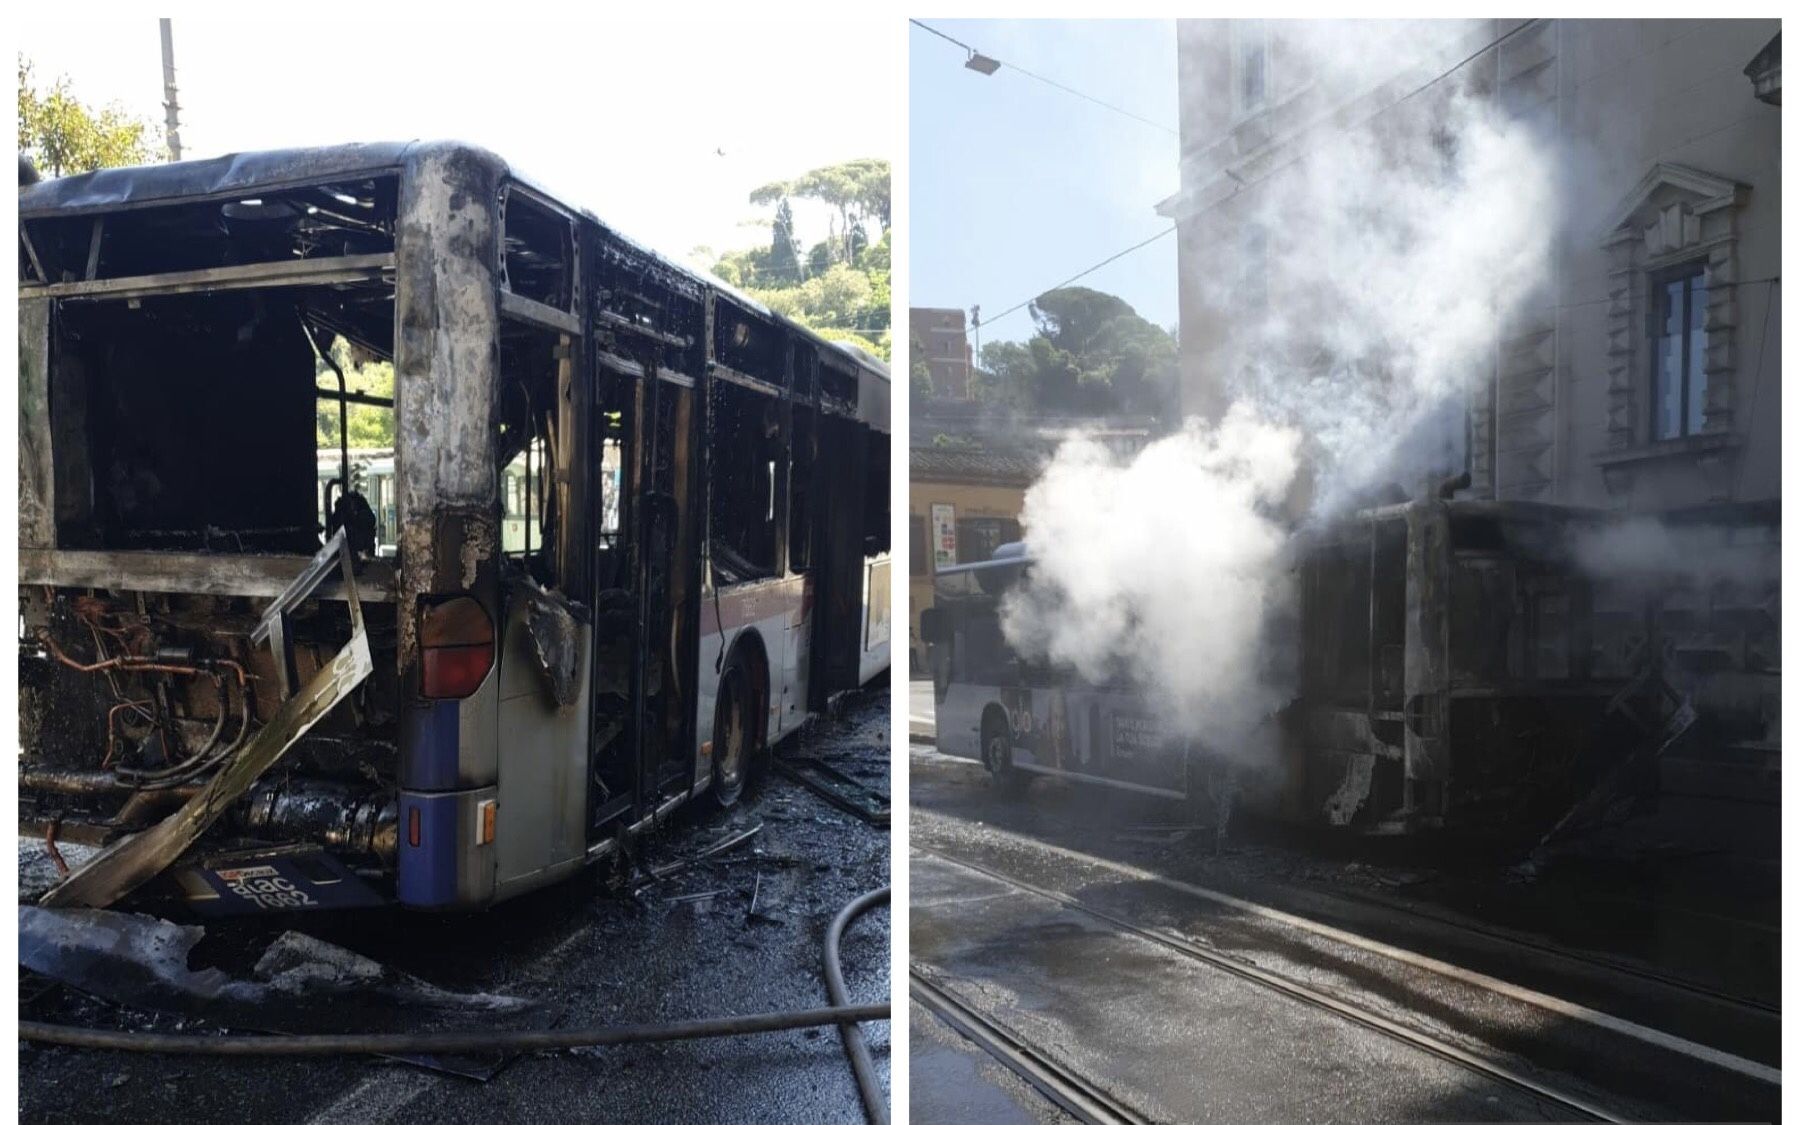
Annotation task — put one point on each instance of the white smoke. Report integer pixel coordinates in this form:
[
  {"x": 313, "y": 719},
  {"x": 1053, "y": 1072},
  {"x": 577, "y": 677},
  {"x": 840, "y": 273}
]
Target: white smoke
[
  {"x": 1395, "y": 251},
  {"x": 1154, "y": 568},
  {"x": 1646, "y": 553}
]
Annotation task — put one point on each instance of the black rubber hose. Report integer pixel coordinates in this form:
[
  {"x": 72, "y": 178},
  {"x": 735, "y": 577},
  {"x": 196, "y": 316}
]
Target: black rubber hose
[
  {"x": 874, "y": 1104},
  {"x": 443, "y": 1042}
]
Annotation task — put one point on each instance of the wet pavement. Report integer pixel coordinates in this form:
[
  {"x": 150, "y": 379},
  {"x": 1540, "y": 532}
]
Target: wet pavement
[
  {"x": 1061, "y": 975},
  {"x": 953, "y": 1080},
  {"x": 585, "y": 953},
  {"x": 1175, "y": 1039}
]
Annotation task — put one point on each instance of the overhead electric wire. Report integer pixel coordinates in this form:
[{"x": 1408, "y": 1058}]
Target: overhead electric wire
[
  {"x": 1009, "y": 65},
  {"x": 1240, "y": 181},
  {"x": 1165, "y": 232}
]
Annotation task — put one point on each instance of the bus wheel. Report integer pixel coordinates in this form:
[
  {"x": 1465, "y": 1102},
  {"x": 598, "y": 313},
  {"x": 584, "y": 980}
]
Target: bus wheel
[
  {"x": 731, "y": 736},
  {"x": 996, "y": 752}
]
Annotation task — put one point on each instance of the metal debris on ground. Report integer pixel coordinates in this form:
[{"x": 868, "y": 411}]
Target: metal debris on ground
[
  {"x": 665, "y": 870},
  {"x": 836, "y": 787},
  {"x": 696, "y": 896}
]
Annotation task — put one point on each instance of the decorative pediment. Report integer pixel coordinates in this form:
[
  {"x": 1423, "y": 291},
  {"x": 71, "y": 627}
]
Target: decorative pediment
[{"x": 1666, "y": 207}]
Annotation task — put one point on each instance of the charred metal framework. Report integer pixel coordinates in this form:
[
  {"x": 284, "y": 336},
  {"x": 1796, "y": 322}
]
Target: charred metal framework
[
  {"x": 1460, "y": 665},
  {"x": 538, "y": 689}
]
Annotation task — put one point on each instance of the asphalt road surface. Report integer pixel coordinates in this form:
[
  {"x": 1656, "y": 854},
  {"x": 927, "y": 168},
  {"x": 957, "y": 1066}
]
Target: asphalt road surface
[
  {"x": 1077, "y": 927},
  {"x": 587, "y": 954}
]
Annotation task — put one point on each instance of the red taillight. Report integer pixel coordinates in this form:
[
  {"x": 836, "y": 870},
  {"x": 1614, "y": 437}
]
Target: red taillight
[{"x": 457, "y": 640}]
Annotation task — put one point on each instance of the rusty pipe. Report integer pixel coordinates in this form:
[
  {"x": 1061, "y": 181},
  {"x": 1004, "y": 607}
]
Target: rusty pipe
[
  {"x": 128, "y": 663},
  {"x": 336, "y": 815}
]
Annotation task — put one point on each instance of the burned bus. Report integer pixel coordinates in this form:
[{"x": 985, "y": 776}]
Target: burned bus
[
  {"x": 633, "y": 530},
  {"x": 1457, "y": 665},
  {"x": 1023, "y": 718}
]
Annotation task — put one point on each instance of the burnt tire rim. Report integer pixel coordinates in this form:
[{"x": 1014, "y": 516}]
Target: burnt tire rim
[{"x": 730, "y": 761}]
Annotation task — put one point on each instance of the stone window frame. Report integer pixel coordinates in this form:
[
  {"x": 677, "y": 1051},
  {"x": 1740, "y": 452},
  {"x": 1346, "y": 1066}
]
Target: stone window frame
[{"x": 1675, "y": 216}]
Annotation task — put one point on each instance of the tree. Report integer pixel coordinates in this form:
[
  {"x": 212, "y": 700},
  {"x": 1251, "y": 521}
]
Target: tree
[
  {"x": 371, "y": 427},
  {"x": 843, "y": 288},
  {"x": 63, "y": 135},
  {"x": 1092, "y": 355},
  {"x": 858, "y": 190},
  {"x": 784, "y": 253},
  {"x": 919, "y": 378}
]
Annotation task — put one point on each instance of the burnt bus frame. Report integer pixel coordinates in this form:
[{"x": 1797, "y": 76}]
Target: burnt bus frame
[{"x": 448, "y": 240}]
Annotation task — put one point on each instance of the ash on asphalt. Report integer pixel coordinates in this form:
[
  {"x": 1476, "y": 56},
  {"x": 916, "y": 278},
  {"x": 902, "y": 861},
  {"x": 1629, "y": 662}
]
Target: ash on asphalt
[{"x": 590, "y": 951}]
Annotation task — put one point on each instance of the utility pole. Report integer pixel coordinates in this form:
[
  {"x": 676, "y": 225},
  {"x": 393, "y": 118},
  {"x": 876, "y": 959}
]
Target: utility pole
[
  {"x": 975, "y": 314},
  {"x": 172, "y": 107}
]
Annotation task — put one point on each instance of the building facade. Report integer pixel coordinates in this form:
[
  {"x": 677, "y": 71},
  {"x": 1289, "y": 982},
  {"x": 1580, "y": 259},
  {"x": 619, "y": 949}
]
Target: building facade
[
  {"x": 1640, "y": 376},
  {"x": 962, "y": 503},
  {"x": 1646, "y": 376},
  {"x": 940, "y": 339}
]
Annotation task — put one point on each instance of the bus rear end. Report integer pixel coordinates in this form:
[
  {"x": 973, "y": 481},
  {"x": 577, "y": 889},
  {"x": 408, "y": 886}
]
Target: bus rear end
[{"x": 257, "y": 676}]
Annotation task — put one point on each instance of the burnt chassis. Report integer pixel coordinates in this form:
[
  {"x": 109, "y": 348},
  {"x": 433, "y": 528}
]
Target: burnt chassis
[
  {"x": 1451, "y": 671},
  {"x": 435, "y": 270}
]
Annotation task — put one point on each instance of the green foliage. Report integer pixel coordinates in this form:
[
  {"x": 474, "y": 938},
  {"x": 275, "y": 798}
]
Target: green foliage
[
  {"x": 859, "y": 191},
  {"x": 784, "y": 251},
  {"x": 843, "y": 289},
  {"x": 371, "y": 427},
  {"x": 919, "y": 378},
  {"x": 1092, "y": 355},
  {"x": 63, "y": 135}
]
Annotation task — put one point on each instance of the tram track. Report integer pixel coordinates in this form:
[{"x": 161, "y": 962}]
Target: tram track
[
  {"x": 1006, "y": 1049},
  {"x": 1072, "y": 1093},
  {"x": 1744, "y": 1005}
]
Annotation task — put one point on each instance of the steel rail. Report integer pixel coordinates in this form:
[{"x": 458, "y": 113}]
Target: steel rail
[
  {"x": 1074, "y": 1094},
  {"x": 1554, "y": 950},
  {"x": 1306, "y": 994}
]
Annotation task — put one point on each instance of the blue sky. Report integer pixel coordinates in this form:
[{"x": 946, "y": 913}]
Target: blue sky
[{"x": 1015, "y": 185}]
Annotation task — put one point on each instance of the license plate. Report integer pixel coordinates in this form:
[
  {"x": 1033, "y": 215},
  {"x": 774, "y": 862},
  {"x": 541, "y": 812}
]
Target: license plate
[{"x": 311, "y": 880}]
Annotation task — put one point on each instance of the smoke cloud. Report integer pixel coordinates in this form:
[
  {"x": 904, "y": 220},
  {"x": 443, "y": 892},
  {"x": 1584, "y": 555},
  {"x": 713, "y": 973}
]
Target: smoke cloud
[
  {"x": 1646, "y": 553},
  {"x": 1361, "y": 292}
]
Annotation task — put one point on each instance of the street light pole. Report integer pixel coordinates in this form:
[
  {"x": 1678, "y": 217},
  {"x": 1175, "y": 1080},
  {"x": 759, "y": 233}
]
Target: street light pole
[{"x": 172, "y": 107}]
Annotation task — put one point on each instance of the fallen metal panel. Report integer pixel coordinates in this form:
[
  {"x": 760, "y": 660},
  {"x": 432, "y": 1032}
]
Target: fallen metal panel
[
  {"x": 259, "y": 275},
  {"x": 176, "y": 572},
  {"x": 135, "y": 860}
]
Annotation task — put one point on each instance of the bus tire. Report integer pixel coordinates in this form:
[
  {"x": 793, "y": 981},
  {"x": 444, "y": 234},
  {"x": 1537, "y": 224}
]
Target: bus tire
[
  {"x": 733, "y": 734},
  {"x": 996, "y": 755}
]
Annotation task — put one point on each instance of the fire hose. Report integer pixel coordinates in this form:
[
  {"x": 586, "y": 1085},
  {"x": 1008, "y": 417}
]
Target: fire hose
[
  {"x": 874, "y": 1105},
  {"x": 846, "y": 1016}
]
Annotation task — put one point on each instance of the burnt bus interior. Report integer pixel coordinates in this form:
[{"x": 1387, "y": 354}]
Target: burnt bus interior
[
  {"x": 183, "y": 421},
  {"x": 1460, "y": 667},
  {"x": 183, "y": 424}
]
